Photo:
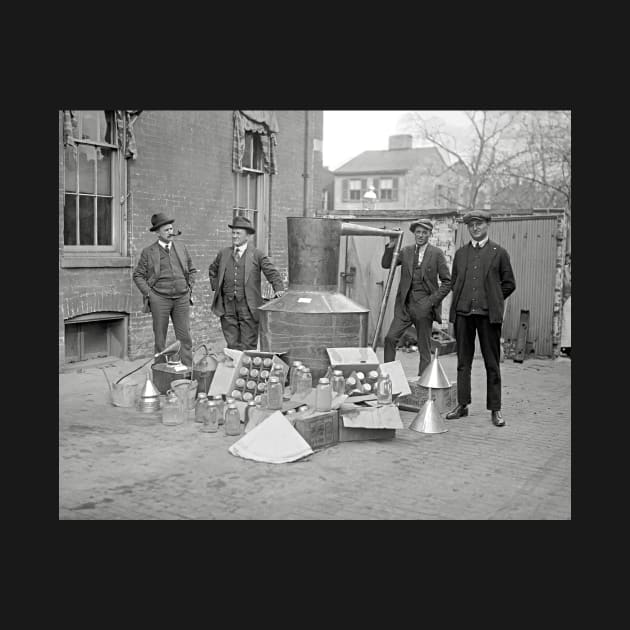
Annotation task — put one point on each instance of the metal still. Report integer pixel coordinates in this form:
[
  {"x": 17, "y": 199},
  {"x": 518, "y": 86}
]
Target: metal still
[{"x": 313, "y": 315}]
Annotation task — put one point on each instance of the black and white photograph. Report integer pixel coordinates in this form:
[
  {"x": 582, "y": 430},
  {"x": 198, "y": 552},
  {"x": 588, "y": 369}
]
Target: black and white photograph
[{"x": 336, "y": 314}]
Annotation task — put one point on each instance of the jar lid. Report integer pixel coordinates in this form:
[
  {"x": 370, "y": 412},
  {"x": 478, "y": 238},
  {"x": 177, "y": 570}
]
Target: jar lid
[
  {"x": 218, "y": 397},
  {"x": 324, "y": 381},
  {"x": 232, "y": 406},
  {"x": 338, "y": 372},
  {"x": 296, "y": 363},
  {"x": 274, "y": 379},
  {"x": 202, "y": 395}
]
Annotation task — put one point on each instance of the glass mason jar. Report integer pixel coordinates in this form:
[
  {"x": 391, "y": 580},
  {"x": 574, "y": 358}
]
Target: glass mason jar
[
  {"x": 278, "y": 371},
  {"x": 172, "y": 412},
  {"x": 264, "y": 374},
  {"x": 293, "y": 375},
  {"x": 254, "y": 372},
  {"x": 246, "y": 359},
  {"x": 384, "y": 389},
  {"x": 212, "y": 413},
  {"x": 323, "y": 395},
  {"x": 232, "y": 424},
  {"x": 228, "y": 401},
  {"x": 257, "y": 362},
  {"x": 236, "y": 394},
  {"x": 248, "y": 396},
  {"x": 274, "y": 393},
  {"x": 250, "y": 405},
  {"x": 202, "y": 399},
  {"x": 218, "y": 399},
  {"x": 304, "y": 383},
  {"x": 360, "y": 377},
  {"x": 243, "y": 371},
  {"x": 372, "y": 376},
  {"x": 290, "y": 416},
  {"x": 351, "y": 384},
  {"x": 267, "y": 362},
  {"x": 338, "y": 383}
]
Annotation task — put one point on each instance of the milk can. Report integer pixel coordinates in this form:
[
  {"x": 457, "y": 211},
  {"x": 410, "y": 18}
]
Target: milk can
[{"x": 232, "y": 425}]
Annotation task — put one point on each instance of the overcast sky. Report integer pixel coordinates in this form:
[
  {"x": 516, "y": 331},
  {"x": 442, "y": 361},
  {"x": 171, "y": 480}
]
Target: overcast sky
[{"x": 348, "y": 133}]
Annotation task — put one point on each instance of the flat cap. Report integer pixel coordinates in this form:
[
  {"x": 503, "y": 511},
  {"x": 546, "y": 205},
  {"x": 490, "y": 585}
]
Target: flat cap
[
  {"x": 480, "y": 215},
  {"x": 425, "y": 223}
]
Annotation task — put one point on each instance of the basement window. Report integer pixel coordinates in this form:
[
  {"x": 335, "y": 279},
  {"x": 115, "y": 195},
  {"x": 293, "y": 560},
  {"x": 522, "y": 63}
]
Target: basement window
[{"x": 96, "y": 335}]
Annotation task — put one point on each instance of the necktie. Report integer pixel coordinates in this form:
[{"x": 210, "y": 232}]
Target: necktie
[{"x": 237, "y": 253}]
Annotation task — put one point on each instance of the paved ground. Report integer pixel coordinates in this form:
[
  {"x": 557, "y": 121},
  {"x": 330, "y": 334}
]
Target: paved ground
[{"x": 117, "y": 463}]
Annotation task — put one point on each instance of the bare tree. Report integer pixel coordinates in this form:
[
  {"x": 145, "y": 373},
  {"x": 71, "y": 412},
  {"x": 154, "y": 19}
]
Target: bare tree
[{"x": 486, "y": 150}]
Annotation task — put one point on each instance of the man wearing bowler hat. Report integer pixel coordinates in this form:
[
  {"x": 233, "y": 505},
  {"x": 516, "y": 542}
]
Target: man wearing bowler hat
[
  {"x": 235, "y": 280},
  {"x": 165, "y": 276},
  {"x": 419, "y": 294},
  {"x": 482, "y": 279}
]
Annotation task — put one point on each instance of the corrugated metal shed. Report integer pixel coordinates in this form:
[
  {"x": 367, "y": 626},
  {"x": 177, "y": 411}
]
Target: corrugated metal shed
[{"x": 531, "y": 242}]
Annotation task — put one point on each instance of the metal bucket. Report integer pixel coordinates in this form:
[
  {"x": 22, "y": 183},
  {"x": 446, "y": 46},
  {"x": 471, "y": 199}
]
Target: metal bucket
[
  {"x": 186, "y": 391},
  {"x": 124, "y": 394}
]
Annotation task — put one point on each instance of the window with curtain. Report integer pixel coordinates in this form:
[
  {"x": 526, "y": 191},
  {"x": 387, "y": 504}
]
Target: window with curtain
[
  {"x": 91, "y": 183},
  {"x": 250, "y": 183}
]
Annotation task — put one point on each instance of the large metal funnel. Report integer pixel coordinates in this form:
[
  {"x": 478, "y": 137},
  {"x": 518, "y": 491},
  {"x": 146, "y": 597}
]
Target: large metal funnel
[
  {"x": 312, "y": 315},
  {"x": 434, "y": 375},
  {"x": 428, "y": 419}
]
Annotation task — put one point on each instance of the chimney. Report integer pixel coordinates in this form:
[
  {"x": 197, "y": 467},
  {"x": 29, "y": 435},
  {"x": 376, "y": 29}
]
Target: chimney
[{"x": 400, "y": 141}]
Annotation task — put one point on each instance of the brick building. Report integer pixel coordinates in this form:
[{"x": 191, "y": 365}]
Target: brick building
[{"x": 201, "y": 168}]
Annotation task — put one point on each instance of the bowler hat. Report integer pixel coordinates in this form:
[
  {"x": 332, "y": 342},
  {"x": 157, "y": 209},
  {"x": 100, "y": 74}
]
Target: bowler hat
[
  {"x": 425, "y": 223},
  {"x": 480, "y": 215},
  {"x": 158, "y": 220},
  {"x": 243, "y": 223}
]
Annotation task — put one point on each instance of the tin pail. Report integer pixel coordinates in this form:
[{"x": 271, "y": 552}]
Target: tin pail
[
  {"x": 186, "y": 391},
  {"x": 124, "y": 394}
]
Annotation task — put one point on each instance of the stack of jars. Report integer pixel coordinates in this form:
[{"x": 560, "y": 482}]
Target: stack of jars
[{"x": 253, "y": 376}]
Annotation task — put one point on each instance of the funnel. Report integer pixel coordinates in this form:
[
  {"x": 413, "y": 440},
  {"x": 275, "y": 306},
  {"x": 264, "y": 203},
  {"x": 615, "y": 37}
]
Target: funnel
[
  {"x": 171, "y": 349},
  {"x": 434, "y": 376},
  {"x": 149, "y": 400},
  {"x": 428, "y": 420}
]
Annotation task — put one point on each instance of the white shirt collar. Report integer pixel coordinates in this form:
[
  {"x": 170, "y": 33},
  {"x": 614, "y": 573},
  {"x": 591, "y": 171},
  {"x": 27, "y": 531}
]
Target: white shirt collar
[
  {"x": 481, "y": 243},
  {"x": 241, "y": 248},
  {"x": 166, "y": 246}
]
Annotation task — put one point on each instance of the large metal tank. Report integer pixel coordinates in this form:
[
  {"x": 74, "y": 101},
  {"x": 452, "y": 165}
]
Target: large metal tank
[{"x": 312, "y": 315}]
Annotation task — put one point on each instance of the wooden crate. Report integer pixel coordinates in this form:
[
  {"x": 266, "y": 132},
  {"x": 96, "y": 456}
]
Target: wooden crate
[{"x": 320, "y": 429}]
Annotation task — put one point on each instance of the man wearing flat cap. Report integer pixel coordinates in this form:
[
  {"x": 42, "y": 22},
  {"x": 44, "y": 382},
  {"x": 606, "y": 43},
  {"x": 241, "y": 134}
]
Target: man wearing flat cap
[
  {"x": 235, "y": 280},
  {"x": 165, "y": 276},
  {"x": 419, "y": 294},
  {"x": 482, "y": 280}
]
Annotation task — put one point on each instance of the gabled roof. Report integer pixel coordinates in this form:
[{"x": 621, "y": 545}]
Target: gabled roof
[{"x": 393, "y": 160}]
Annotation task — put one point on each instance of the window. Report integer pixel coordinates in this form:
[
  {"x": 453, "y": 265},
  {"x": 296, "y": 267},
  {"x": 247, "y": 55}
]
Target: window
[
  {"x": 250, "y": 186},
  {"x": 355, "y": 190},
  {"x": 386, "y": 189},
  {"x": 91, "y": 212}
]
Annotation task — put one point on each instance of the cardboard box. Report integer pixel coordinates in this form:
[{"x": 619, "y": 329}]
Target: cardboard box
[
  {"x": 349, "y": 360},
  {"x": 224, "y": 380},
  {"x": 445, "y": 399},
  {"x": 347, "y": 434},
  {"x": 319, "y": 430},
  {"x": 379, "y": 417}
]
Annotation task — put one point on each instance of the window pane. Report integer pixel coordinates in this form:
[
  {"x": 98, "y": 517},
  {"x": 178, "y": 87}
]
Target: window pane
[
  {"x": 71, "y": 169},
  {"x": 247, "y": 156},
  {"x": 104, "y": 170},
  {"x": 108, "y": 132},
  {"x": 70, "y": 220},
  {"x": 89, "y": 130},
  {"x": 104, "y": 220},
  {"x": 253, "y": 192},
  {"x": 86, "y": 220},
  {"x": 87, "y": 158},
  {"x": 102, "y": 126},
  {"x": 242, "y": 191}
]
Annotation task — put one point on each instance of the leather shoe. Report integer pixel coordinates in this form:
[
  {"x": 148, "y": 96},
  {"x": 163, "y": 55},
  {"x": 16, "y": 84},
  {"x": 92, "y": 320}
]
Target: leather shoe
[
  {"x": 497, "y": 419},
  {"x": 458, "y": 412}
]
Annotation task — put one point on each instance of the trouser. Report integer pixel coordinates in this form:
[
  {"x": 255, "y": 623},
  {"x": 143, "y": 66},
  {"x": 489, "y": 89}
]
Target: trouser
[
  {"x": 466, "y": 328},
  {"x": 178, "y": 309},
  {"x": 240, "y": 329},
  {"x": 419, "y": 315}
]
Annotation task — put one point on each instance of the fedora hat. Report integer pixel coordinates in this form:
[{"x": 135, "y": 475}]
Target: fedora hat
[
  {"x": 243, "y": 223},
  {"x": 425, "y": 223},
  {"x": 158, "y": 220},
  {"x": 480, "y": 215}
]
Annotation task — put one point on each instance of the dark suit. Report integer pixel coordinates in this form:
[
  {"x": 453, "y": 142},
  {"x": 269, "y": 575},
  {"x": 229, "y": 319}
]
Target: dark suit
[
  {"x": 419, "y": 308},
  {"x": 497, "y": 283},
  {"x": 239, "y": 317},
  {"x": 161, "y": 306}
]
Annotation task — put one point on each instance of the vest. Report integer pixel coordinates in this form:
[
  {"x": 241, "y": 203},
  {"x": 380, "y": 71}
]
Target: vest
[
  {"x": 234, "y": 278},
  {"x": 473, "y": 299},
  {"x": 418, "y": 285},
  {"x": 171, "y": 281}
]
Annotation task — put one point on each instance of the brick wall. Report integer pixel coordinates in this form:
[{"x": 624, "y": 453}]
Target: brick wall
[{"x": 183, "y": 169}]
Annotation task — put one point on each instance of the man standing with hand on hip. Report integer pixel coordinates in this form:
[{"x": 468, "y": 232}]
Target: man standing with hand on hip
[
  {"x": 482, "y": 279},
  {"x": 235, "y": 280},
  {"x": 419, "y": 295},
  {"x": 165, "y": 276}
]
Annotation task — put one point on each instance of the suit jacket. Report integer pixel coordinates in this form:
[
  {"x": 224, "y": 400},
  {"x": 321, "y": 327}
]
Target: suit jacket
[
  {"x": 499, "y": 279},
  {"x": 147, "y": 270},
  {"x": 255, "y": 262},
  {"x": 433, "y": 265}
]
